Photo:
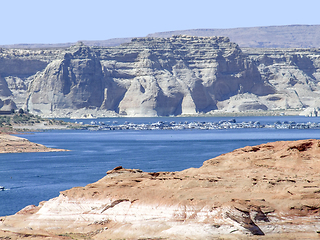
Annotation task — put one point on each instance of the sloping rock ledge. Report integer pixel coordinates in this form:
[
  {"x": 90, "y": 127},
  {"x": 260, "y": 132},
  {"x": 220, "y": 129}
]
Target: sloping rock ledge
[
  {"x": 271, "y": 189},
  {"x": 13, "y": 144}
]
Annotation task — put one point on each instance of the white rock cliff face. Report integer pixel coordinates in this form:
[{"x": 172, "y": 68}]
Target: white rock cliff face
[{"x": 160, "y": 77}]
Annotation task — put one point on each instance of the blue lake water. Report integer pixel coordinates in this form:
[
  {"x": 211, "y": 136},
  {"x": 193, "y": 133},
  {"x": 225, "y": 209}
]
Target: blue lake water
[{"x": 35, "y": 177}]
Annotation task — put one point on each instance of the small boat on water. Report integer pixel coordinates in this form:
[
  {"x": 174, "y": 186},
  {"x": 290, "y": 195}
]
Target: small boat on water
[{"x": 1, "y": 188}]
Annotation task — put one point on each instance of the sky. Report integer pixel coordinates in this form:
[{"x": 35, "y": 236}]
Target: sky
[{"x": 62, "y": 21}]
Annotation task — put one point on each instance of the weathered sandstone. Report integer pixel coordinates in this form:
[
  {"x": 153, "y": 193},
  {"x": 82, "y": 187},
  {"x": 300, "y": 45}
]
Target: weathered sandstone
[
  {"x": 13, "y": 144},
  {"x": 271, "y": 189},
  {"x": 160, "y": 77}
]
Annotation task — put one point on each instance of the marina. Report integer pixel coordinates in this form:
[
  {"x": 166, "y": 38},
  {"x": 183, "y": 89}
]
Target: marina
[{"x": 199, "y": 125}]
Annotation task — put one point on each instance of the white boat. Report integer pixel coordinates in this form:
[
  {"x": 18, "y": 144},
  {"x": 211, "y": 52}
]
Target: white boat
[{"x": 1, "y": 188}]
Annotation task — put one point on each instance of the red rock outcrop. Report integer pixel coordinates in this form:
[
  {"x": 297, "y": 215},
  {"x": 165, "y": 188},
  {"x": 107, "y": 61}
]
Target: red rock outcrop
[{"x": 271, "y": 189}]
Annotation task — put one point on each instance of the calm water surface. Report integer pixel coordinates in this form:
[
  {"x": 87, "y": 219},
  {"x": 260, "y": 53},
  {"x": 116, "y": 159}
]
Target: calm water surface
[{"x": 35, "y": 177}]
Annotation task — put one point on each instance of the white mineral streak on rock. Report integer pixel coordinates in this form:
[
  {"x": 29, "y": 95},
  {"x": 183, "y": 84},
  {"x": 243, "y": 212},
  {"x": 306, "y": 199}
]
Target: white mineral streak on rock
[
  {"x": 61, "y": 212},
  {"x": 170, "y": 220},
  {"x": 121, "y": 210}
]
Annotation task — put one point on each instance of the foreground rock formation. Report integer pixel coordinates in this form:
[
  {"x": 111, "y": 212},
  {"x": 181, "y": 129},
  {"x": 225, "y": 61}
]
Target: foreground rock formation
[
  {"x": 13, "y": 144},
  {"x": 271, "y": 189},
  {"x": 160, "y": 77}
]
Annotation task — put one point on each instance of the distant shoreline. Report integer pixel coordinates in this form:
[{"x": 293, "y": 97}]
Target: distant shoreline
[
  {"x": 13, "y": 144},
  {"x": 210, "y": 114}
]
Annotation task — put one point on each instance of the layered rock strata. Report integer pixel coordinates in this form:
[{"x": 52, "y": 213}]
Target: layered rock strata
[
  {"x": 271, "y": 189},
  {"x": 160, "y": 77}
]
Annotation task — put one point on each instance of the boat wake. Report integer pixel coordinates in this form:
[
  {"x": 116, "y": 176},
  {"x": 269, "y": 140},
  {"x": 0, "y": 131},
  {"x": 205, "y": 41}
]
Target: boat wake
[{"x": 2, "y": 188}]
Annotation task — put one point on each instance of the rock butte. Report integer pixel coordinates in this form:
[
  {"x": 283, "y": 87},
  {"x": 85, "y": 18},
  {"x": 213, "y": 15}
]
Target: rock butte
[
  {"x": 179, "y": 75},
  {"x": 271, "y": 189}
]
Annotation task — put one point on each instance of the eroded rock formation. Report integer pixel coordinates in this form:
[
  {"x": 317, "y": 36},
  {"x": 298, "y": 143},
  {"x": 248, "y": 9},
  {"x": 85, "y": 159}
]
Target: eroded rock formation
[
  {"x": 74, "y": 80},
  {"x": 271, "y": 189},
  {"x": 160, "y": 77},
  {"x": 13, "y": 144}
]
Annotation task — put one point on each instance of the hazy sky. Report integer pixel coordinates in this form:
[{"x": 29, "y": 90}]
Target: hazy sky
[{"x": 60, "y": 21}]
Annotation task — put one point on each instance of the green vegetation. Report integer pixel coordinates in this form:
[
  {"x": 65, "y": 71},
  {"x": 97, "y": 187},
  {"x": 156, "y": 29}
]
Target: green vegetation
[
  {"x": 23, "y": 118},
  {"x": 5, "y": 121},
  {"x": 56, "y": 122},
  {"x": 77, "y": 236}
]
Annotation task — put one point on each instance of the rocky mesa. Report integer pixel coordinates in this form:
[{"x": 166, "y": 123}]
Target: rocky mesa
[
  {"x": 271, "y": 190},
  {"x": 178, "y": 75}
]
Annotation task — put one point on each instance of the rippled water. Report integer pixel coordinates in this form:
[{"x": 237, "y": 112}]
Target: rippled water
[{"x": 34, "y": 177}]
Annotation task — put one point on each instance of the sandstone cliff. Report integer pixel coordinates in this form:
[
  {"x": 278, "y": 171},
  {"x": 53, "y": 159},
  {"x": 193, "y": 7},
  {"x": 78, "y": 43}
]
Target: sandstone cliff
[
  {"x": 160, "y": 77},
  {"x": 73, "y": 80},
  {"x": 271, "y": 189}
]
